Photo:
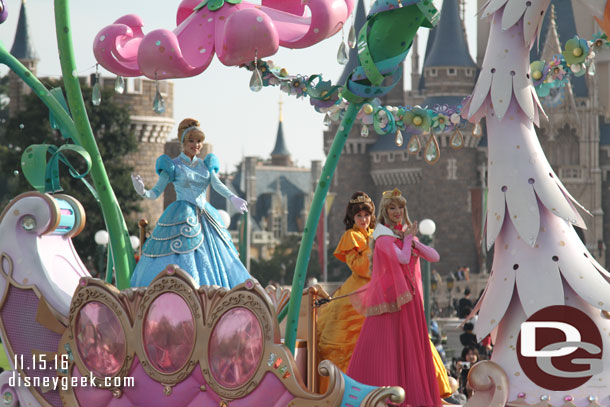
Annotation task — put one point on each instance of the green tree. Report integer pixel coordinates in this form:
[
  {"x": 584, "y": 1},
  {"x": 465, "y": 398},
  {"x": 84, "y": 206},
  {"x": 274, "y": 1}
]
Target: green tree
[
  {"x": 280, "y": 267},
  {"x": 111, "y": 126}
]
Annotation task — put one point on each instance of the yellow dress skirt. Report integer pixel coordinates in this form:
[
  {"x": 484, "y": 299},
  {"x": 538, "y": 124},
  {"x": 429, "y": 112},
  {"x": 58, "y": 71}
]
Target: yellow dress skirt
[{"x": 339, "y": 323}]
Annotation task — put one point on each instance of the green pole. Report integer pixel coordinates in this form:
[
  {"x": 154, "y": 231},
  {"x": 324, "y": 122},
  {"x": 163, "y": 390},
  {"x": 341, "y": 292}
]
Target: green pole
[
  {"x": 312, "y": 220},
  {"x": 122, "y": 252},
  {"x": 40, "y": 90}
]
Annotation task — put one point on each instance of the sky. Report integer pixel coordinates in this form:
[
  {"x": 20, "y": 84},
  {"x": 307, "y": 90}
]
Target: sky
[{"x": 237, "y": 121}]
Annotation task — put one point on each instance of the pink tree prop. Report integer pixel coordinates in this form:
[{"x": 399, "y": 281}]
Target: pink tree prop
[{"x": 539, "y": 260}]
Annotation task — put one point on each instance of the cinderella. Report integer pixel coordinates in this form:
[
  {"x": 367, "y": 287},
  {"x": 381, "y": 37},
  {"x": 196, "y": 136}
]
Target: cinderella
[{"x": 190, "y": 233}]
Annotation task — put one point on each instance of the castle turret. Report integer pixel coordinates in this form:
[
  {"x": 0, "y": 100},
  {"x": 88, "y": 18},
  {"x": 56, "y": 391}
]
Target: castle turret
[
  {"x": 448, "y": 68},
  {"x": 24, "y": 51}
]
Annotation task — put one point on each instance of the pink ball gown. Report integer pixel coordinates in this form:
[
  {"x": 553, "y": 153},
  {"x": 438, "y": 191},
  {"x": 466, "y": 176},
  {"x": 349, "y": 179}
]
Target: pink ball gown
[{"x": 394, "y": 347}]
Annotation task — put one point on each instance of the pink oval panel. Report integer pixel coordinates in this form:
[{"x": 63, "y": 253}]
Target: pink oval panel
[
  {"x": 100, "y": 339},
  {"x": 169, "y": 333},
  {"x": 236, "y": 347}
]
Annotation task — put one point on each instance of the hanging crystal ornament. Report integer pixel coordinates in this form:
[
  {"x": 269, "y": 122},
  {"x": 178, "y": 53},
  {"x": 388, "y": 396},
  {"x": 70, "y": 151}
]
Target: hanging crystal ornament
[
  {"x": 591, "y": 71},
  {"x": 457, "y": 140},
  {"x": 327, "y": 120},
  {"x": 364, "y": 132},
  {"x": 351, "y": 36},
  {"x": 96, "y": 93},
  {"x": 398, "y": 140},
  {"x": 119, "y": 84},
  {"x": 342, "y": 56},
  {"x": 414, "y": 145},
  {"x": 159, "y": 102},
  {"x": 256, "y": 80},
  {"x": 477, "y": 131},
  {"x": 432, "y": 150}
]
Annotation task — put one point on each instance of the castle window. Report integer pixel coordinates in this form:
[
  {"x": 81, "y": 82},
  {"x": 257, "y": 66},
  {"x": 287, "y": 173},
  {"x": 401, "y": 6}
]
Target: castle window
[
  {"x": 390, "y": 157},
  {"x": 451, "y": 72},
  {"x": 134, "y": 85},
  {"x": 452, "y": 169},
  {"x": 376, "y": 158},
  {"x": 469, "y": 72},
  {"x": 433, "y": 72}
]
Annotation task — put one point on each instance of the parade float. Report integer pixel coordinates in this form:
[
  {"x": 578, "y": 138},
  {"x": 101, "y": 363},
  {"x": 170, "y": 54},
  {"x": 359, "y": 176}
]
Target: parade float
[{"x": 75, "y": 340}]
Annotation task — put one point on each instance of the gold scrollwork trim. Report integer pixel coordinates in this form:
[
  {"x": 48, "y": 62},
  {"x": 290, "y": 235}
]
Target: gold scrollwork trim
[
  {"x": 256, "y": 301},
  {"x": 171, "y": 280},
  {"x": 99, "y": 291},
  {"x": 51, "y": 203}
]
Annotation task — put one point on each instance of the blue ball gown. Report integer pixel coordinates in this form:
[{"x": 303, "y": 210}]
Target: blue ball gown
[{"x": 190, "y": 233}]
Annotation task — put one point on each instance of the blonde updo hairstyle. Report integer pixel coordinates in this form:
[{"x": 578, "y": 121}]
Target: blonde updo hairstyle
[
  {"x": 399, "y": 200},
  {"x": 185, "y": 124}
]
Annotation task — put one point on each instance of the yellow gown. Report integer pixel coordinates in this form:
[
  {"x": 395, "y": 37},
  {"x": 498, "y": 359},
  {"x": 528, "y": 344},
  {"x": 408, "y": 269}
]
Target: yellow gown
[{"x": 339, "y": 323}]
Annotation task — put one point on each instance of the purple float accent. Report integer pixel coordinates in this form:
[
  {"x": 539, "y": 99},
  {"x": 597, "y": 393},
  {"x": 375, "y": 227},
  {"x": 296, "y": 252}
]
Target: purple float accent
[
  {"x": 25, "y": 334},
  {"x": 236, "y": 347},
  {"x": 100, "y": 339},
  {"x": 169, "y": 333},
  {"x": 3, "y": 12}
]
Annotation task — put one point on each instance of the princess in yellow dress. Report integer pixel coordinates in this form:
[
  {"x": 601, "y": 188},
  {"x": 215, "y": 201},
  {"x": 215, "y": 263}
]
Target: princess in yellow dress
[{"x": 339, "y": 323}]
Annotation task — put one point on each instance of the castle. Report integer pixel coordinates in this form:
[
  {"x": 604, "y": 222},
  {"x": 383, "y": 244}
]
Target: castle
[{"x": 576, "y": 139}]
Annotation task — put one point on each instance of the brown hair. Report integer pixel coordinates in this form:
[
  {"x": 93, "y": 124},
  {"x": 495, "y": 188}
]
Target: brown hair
[
  {"x": 185, "y": 124},
  {"x": 383, "y": 210},
  {"x": 353, "y": 208}
]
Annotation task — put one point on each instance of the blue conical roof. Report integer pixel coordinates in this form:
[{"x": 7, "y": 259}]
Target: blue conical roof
[
  {"x": 449, "y": 47},
  {"x": 22, "y": 46},
  {"x": 352, "y": 63},
  {"x": 280, "y": 144}
]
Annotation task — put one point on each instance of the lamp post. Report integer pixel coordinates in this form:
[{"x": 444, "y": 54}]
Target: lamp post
[
  {"x": 427, "y": 229},
  {"x": 101, "y": 239}
]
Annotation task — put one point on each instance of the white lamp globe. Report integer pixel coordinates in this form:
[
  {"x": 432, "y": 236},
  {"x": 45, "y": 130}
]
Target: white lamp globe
[
  {"x": 135, "y": 242},
  {"x": 101, "y": 237},
  {"x": 226, "y": 218},
  {"x": 427, "y": 227}
]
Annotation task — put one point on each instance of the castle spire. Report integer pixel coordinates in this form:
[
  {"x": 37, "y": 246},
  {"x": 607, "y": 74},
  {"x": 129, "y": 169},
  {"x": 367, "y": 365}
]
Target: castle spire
[
  {"x": 22, "y": 45},
  {"x": 280, "y": 154},
  {"x": 449, "y": 46}
]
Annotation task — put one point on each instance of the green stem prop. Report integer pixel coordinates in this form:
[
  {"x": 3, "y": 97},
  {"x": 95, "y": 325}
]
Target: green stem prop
[
  {"x": 122, "y": 251},
  {"x": 319, "y": 197},
  {"x": 40, "y": 90}
]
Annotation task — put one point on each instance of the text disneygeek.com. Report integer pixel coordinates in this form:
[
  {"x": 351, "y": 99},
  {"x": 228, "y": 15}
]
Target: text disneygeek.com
[{"x": 64, "y": 382}]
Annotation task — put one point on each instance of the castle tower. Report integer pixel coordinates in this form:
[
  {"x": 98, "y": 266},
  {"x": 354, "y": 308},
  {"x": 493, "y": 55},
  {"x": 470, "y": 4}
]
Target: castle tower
[
  {"x": 571, "y": 137},
  {"x": 24, "y": 51},
  {"x": 448, "y": 68},
  {"x": 280, "y": 155}
]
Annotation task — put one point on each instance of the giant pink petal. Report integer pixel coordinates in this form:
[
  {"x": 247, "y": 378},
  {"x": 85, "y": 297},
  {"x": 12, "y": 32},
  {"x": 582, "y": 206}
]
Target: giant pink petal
[
  {"x": 184, "y": 53},
  {"x": 116, "y": 46},
  {"x": 185, "y": 9},
  {"x": 245, "y": 33},
  {"x": 327, "y": 17},
  {"x": 296, "y": 7}
]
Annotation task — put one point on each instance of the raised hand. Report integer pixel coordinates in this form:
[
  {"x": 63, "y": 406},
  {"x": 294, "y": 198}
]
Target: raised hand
[
  {"x": 239, "y": 204},
  {"x": 138, "y": 184}
]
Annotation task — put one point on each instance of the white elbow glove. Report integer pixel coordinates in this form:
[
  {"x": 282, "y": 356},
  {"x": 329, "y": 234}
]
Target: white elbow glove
[
  {"x": 241, "y": 205},
  {"x": 138, "y": 184}
]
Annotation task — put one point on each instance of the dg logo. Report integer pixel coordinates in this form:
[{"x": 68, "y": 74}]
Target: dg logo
[{"x": 559, "y": 348}]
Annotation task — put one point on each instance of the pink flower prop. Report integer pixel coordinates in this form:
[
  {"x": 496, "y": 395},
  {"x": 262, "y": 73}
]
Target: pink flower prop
[{"x": 237, "y": 33}]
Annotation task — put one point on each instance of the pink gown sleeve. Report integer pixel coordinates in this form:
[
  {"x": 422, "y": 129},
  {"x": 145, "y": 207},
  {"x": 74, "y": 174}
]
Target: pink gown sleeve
[
  {"x": 404, "y": 254},
  {"x": 426, "y": 252}
]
